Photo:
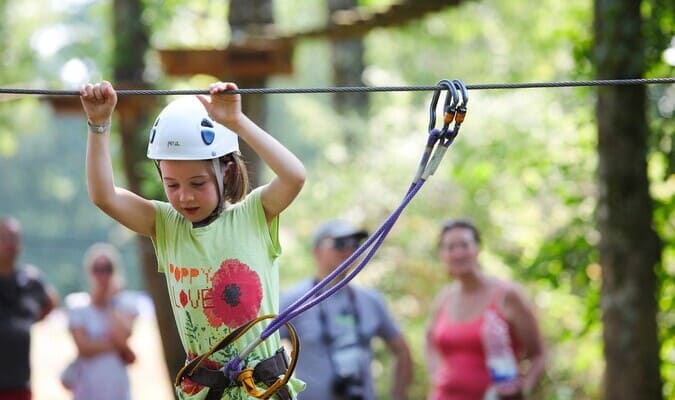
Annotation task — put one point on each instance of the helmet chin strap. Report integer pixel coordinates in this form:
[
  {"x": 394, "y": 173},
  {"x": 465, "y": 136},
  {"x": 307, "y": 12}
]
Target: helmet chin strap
[{"x": 218, "y": 169}]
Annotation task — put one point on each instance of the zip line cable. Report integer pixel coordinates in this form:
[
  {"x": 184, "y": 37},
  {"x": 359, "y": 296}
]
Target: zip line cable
[{"x": 345, "y": 89}]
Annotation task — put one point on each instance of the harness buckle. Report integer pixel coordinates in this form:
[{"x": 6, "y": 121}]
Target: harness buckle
[{"x": 246, "y": 379}]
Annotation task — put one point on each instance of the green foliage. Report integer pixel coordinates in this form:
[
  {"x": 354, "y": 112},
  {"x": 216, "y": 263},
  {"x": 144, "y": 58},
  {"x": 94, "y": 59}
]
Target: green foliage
[
  {"x": 44, "y": 186},
  {"x": 659, "y": 17},
  {"x": 42, "y": 154},
  {"x": 176, "y": 23},
  {"x": 523, "y": 168},
  {"x": 522, "y": 157}
]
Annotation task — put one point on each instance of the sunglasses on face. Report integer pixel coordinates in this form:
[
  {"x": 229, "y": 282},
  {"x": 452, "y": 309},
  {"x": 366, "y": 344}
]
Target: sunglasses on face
[
  {"x": 106, "y": 269},
  {"x": 350, "y": 242}
]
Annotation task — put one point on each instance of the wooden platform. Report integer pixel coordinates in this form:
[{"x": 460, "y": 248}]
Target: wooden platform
[{"x": 253, "y": 59}]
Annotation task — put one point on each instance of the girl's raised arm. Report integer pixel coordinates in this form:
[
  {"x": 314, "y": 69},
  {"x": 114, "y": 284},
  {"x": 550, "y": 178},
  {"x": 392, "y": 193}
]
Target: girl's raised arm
[
  {"x": 129, "y": 209},
  {"x": 289, "y": 170}
]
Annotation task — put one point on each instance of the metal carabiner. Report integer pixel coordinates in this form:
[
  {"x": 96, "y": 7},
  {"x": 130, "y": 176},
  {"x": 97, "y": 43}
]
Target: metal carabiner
[
  {"x": 461, "y": 109},
  {"x": 449, "y": 106},
  {"x": 460, "y": 112}
]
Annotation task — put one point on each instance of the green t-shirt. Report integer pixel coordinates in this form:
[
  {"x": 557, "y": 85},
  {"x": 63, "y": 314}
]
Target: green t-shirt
[{"x": 219, "y": 277}]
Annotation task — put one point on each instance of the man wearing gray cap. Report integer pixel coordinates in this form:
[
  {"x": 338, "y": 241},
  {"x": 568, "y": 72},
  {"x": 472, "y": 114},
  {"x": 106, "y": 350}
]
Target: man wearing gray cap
[{"x": 335, "y": 334}]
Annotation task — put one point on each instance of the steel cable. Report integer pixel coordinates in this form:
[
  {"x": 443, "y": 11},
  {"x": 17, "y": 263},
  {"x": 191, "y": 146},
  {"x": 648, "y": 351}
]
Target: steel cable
[{"x": 350, "y": 89}]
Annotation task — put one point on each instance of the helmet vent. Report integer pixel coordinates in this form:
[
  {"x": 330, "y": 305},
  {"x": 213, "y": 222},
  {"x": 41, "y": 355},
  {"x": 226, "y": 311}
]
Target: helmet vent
[
  {"x": 206, "y": 123},
  {"x": 207, "y": 136},
  {"x": 154, "y": 130}
]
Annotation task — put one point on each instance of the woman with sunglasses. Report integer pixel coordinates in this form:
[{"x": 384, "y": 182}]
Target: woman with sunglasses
[{"x": 101, "y": 324}]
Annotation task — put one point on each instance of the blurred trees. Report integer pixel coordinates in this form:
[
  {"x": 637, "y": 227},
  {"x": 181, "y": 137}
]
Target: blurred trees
[
  {"x": 630, "y": 249},
  {"x": 251, "y": 19},
  {"x": 348, "y": 66}
]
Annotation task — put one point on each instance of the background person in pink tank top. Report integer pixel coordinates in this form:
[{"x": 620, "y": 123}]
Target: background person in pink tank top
[{"x": 455, "y": 347}]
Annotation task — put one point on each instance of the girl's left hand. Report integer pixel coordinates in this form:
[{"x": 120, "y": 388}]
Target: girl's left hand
[{"x": 222, "y": 107}]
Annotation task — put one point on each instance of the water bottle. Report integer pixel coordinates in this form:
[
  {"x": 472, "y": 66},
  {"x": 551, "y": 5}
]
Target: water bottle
[{"x": 500, "y": 360}]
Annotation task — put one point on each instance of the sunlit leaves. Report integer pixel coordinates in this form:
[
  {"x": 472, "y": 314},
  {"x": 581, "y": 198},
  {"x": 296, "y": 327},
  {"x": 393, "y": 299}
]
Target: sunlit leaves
[{"x": 199, "y": 23}]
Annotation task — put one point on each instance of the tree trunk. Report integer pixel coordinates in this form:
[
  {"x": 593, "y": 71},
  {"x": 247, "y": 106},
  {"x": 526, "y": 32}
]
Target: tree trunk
[
  {"x": 630, "y": 249},
  {"x": 131, "y": 44},
  {"x": 251, "y": 18},
  {"x": 348, "y": 66}
]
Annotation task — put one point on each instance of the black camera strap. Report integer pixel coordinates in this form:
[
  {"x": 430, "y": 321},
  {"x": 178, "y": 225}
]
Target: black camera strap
[{"x": 326, "y": 336}]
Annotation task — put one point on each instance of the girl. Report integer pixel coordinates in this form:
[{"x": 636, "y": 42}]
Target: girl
[{"x": 216, "y": 245}]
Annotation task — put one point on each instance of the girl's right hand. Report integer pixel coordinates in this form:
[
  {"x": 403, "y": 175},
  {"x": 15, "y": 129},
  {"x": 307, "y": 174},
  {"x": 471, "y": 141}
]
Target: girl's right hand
[
  {"x": 98, "y": 101},
  {"x": 222, "y": 107}
]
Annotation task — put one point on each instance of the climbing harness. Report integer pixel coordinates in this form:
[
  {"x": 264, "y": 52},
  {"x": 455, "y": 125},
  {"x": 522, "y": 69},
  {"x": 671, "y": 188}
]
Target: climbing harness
[
  {"x": 233, "y": 372},
  {"x": 267, "y": 371}
]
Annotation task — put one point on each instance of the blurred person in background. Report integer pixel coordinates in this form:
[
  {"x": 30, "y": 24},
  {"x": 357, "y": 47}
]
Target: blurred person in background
[
  {"x": 457, "y": 352},
  {"x": 24, "y": 299},
  {"x": 101, "y": 324},
  {"x": 335, "y": 335}
]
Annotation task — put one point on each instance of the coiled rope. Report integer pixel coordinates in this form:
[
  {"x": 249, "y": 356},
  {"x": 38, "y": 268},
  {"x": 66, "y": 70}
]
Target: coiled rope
[{"x": 349, "y": 89}]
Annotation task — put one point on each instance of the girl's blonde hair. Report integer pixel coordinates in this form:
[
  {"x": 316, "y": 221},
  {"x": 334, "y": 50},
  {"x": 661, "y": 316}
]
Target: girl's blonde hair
[{"x": 235, "y": 185}]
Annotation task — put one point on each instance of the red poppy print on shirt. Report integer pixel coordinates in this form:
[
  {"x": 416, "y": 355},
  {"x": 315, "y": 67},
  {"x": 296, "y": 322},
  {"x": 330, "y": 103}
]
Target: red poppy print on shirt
[{"x": 236, "y": 295}]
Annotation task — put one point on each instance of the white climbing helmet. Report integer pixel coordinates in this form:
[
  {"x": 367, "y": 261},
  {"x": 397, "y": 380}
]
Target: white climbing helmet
[{"x": 184, "y": 131}]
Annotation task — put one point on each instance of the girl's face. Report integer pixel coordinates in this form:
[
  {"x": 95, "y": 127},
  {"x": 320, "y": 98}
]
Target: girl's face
[
  {"x": 458, "y": 250},
  {"x": 191, "y": 187}
]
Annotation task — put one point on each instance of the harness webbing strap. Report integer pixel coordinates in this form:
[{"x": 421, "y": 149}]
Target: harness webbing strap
[{"x": 266, "y": 371}]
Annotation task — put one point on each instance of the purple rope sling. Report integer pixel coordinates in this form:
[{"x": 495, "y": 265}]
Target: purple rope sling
[{"x": 437, "y": 144}]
